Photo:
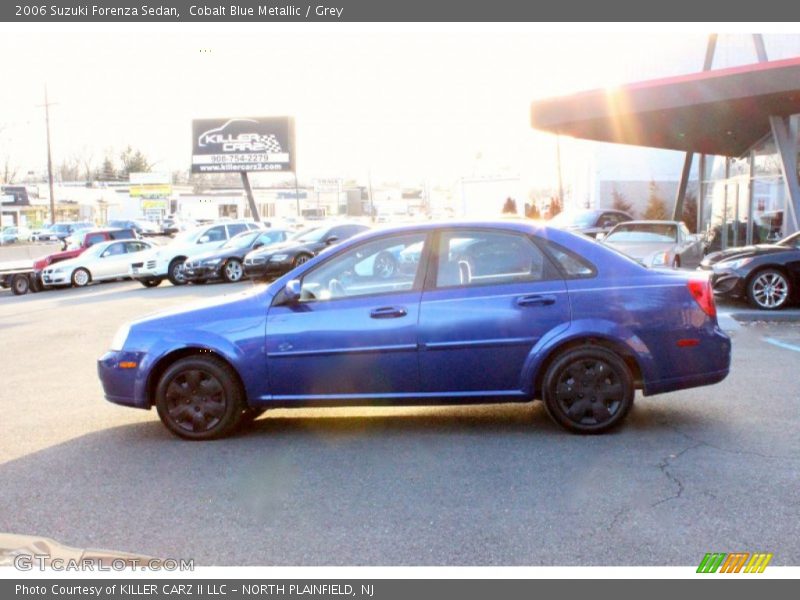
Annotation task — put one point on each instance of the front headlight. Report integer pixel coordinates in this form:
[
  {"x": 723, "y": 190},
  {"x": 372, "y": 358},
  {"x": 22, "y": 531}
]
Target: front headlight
[
  {"x": 660, "y": 259},
  {"x": 120, "y": 338},
  {"x": 278, "y": 257},
  {"x": 734, "y": 264}
]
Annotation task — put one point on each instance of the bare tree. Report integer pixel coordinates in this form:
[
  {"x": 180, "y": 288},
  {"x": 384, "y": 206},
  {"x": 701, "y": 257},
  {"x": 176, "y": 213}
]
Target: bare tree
[
  {"x": 9, "y": 170},
  {"x": 656, "y": 207},
  {"x": 620, "y": 202}
]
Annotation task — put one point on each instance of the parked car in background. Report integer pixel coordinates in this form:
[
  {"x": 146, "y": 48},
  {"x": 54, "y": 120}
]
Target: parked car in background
[
  {"x": 13, "y": 234},
  {"x": 277, "y": 259},
  {"x": 167, "y": 261},
  {"x": 172, "y": 225},
  {"x": 767, "y": 275},
  {"x": 657, "y": 243},
  {"x": 85, "y": 240},
  {"x": 60, "y": 231},
  {"x": 142, "y": 227},
  {"x": 100, "y": 262},
  {"x": 540, "y": 314},
  {"x": 226, "y": 262},
  {"x": 589, "y": 222}
]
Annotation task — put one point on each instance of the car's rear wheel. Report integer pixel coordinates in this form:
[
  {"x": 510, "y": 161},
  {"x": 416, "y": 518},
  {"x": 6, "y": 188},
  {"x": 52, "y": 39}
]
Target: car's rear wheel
[
  {"x": 588, "y": 390},
  {"x": 199, "y": 398},
  {"x": 769, "y": 290},
  {"x": 175, "y": 271},
  {"x": 150, "y": 283},
  {"x": 233, "y": 271},
  {"x": 20, "y": 284},
  {"x": 81, "y": 277}
]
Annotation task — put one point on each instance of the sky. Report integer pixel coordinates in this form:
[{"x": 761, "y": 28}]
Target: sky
[{"x": 403, "y": 104}]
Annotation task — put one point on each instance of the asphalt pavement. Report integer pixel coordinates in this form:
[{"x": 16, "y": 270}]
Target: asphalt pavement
[{"x": 708, "y": 469}]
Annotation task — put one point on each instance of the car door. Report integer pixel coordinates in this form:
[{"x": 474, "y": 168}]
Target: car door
[
  {"x": 352, "y": 334},
  {"x": 113, "y": 262},
  {"x": 489, "y": 297}
]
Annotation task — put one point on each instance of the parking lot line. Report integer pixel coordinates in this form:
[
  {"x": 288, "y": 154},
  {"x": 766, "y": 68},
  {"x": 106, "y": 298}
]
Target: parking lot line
[{"x": 781, "y": 344}]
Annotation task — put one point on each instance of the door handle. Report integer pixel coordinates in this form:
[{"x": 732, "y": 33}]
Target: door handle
[
  {"x": 388, "y": 312},
  {"x": 536, "y": 300}
]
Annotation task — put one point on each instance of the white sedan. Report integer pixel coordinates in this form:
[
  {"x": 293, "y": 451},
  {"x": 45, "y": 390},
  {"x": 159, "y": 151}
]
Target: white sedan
[{"x": 103, "y": 261}]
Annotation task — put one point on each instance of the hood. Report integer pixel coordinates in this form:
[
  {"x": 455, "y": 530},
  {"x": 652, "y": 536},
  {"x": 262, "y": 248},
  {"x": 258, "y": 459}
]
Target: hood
[
  {"x": 744, "y": 252},
  {"x": 192, "y": 313},
  {"x": 278, "y": 246},
  {"x": 643, "y": 250},
  {"x": 218, "y": 253}
]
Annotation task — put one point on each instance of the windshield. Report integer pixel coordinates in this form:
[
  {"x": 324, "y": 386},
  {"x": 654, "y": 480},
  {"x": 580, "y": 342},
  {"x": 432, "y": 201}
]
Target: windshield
[
  {"x": 573, "y": 219},
  {"x": 311, "y": 235},
  {"x": 643, "y": 233},
  {"x": 242, "y": 240}
]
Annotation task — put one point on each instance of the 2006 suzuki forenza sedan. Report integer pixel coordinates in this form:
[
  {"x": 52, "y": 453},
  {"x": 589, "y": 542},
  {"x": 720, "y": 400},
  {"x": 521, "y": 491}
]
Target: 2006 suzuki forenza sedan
[{"x": 429, "y": 314}]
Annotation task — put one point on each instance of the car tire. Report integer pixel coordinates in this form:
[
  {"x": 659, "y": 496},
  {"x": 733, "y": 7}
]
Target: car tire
[
  {"x": 81, "y": 277},
  {"x": 769, "y": 289},
  {"x": 300, "y": 259},
  {"x": 200, "y": 398},
  {"x": 384, "y": 266},
  {"x": 233, "y": 270},
  {"x": 20, "y": 284},
  {"x": 175, "y": 271},
  {"x": 36, "y": 283},
  {"x": 588, "y": 390},
  {"x": 676, "y": 262},
  {"x": 151, "y": 283}
]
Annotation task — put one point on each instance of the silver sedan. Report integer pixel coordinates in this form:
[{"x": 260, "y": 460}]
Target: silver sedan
[
  {"x": 103, "y": 261},
  {"x": 657, "y": 243}
]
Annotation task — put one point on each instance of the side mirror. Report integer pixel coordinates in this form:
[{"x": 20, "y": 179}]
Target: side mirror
[
  {"x": 292, "y": 291},
  {"x": 331, "y": 240},
  {"x": 203, "y": 239},
  {"x": 258, "y": 245}
]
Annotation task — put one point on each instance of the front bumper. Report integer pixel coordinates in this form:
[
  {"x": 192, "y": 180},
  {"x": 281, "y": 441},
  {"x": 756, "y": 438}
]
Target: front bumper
[
  {"x": 727, "y": 282},
  {"x": 50, "y": 278},
  {"x": 200, "y": 272},
  {"x": 149, "y": 269},
  {"x": 125, "y": 386}
]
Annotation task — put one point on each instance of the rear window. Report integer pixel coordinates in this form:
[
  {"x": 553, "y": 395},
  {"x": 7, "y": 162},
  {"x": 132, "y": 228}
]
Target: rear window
[{"x": 571, "y": 264}]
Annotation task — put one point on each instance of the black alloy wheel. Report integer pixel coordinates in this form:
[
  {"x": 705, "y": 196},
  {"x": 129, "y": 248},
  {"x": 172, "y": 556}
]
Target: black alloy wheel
[
  {"x": 588, "y": 390},
  {"x": 199, "y": 398}
]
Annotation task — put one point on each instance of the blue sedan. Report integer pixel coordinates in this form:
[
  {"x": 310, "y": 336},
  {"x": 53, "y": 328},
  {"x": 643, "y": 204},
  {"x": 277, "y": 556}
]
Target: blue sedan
[{"x": 490, "y": 312}]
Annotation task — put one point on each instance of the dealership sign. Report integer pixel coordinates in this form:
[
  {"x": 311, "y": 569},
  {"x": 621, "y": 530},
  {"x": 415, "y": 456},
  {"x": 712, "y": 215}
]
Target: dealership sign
[{"x": 245, "y": 144}]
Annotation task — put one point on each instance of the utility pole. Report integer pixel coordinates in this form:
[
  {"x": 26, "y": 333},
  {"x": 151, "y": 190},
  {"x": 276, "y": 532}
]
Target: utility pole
[
  {"x": 49, "y": 158},
  {"x": 560, "y": 178}
]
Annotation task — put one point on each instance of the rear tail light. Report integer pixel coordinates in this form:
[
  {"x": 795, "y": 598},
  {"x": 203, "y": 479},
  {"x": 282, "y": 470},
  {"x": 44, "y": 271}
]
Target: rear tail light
[{"x": 703, "y": 294}]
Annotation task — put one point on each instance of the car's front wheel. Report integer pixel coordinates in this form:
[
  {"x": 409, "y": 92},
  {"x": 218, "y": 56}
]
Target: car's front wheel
[
  {"x": 199, "y": 398},
  {"x": 175, "y": 271},
  {"x": 81, "y": 277},
  {"x": 588, "y": 390},
  {"x": 233, "y": 271},
  {"x": 769, "y": 290}
]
